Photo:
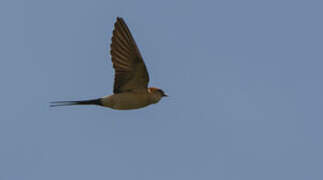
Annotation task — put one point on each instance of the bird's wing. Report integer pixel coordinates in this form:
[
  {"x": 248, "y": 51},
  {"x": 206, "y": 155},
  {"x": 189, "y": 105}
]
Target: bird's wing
[{"x": 130, "y": 70}]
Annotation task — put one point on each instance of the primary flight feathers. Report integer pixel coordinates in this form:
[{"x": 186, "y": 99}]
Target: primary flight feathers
[{"x": 130, "y": 70}]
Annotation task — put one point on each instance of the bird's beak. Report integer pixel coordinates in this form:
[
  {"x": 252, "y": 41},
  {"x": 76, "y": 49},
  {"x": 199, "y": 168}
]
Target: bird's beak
[{"x": 165, "y": 95}]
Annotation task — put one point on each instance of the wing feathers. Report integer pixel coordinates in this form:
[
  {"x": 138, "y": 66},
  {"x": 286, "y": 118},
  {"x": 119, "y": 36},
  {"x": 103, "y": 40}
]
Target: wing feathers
[{"x": 130, "y": 71}]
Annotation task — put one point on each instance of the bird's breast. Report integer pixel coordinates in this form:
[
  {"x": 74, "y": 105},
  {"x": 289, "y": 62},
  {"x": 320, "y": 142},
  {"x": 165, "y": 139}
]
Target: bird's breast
[{"x": 128, "y": 100}]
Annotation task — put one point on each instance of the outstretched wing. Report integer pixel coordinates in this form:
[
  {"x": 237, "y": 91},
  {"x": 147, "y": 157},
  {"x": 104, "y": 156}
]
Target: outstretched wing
[{"x": 130, "y": 70}]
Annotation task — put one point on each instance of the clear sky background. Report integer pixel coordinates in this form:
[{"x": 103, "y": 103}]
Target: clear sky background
[{"x": 244, "y": 80}]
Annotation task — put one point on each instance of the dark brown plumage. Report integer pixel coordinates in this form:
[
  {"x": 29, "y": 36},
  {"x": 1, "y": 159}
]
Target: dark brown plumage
[{"x": 130, "y": 70}]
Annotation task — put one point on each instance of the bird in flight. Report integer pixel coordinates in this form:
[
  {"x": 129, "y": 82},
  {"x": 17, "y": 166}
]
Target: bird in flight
[{"x": 130, "y": 90}]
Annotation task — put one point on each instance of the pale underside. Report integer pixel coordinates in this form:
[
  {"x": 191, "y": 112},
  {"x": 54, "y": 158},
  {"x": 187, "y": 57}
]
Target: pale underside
[{"x": 127, "y": 100}]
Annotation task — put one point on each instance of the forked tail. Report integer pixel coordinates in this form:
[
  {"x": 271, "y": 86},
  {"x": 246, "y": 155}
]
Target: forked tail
[{"x": 71, "y": 103}]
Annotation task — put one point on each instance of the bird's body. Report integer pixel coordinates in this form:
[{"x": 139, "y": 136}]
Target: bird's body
[
  {"x": 130, "y": 100},
  {"x": 131, "y": 76}
]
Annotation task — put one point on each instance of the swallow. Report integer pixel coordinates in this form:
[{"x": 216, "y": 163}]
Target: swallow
[{"x": 130, "y": 89}]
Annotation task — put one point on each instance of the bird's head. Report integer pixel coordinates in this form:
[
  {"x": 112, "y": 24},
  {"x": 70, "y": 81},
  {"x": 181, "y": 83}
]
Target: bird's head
[{"x": 156, "y": 94}]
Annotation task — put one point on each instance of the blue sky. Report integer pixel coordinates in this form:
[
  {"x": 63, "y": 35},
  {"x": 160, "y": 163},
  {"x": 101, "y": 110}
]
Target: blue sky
[{"x": 244, "y": 80}]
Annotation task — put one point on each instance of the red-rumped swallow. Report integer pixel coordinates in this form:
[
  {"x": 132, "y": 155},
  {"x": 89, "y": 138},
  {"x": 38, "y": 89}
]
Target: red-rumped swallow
[{"x": 131, "y": 79}]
